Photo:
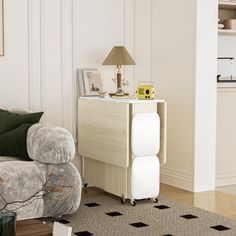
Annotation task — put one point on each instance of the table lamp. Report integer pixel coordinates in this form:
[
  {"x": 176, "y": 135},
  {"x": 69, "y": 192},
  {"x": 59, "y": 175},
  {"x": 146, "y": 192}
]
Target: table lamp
[{"x": 119, "y": 56}]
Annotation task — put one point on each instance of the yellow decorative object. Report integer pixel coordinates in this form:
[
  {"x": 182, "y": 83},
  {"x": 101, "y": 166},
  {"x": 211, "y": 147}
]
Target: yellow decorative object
[{"x": 145, "y": 91}]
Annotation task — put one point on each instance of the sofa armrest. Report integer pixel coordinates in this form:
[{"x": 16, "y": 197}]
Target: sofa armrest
[{"x": 50, "y": 144}]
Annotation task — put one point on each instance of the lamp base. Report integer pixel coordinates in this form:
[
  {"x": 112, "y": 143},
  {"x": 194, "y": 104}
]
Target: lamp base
[
  {"x": 114, "y": 95},
  {"x": 120, "y": 92}
]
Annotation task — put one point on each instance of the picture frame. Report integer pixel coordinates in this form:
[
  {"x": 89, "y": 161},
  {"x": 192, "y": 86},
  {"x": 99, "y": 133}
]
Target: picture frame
[
  {"x": 89, "y": 82},
  {"x": 80, "y": 83},
  {"x": 1, "y": 29}
]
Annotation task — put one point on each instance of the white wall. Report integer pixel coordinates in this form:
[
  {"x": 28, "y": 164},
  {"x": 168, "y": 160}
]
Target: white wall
[
  {"x": 205, "y": 96},
  {"x": 184, "y": 67},
  {"x": 14, "y": 77},
  {"x": 99, "y": 27},
  {"x": 36, "y": 72},
  {"x": 174, "y": 69},
  {"x": 96, "y": 30}
]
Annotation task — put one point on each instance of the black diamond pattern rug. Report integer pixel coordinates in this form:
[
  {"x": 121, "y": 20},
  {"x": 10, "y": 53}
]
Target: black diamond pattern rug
[
  {"x": 162, "y": 207},
  {"x": 189, "y": 216},
  {"x": 92, "y": 204},
  {"x": 105, "y": 215},
  {"x": 114, "y": 213},
  {"x": 139, "y": 224},
  {"x": 220, "y": 228}
]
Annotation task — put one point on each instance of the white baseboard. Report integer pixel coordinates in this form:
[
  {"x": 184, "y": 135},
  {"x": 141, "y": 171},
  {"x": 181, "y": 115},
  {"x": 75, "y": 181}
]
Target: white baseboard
[
  {"x": 225, "y": 179},
  {"x": 176, "y": 179}
]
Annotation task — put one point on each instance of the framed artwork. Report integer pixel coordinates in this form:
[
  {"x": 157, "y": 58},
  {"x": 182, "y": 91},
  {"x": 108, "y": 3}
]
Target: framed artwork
[
  {"x": 89, "y": 82},
  {"x": 92, "y": 82},
  {"x": 1, "y": 29}
]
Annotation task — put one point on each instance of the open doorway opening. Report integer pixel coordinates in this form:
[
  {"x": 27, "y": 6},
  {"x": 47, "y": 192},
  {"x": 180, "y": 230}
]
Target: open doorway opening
[{"x": 226, "y": 99}]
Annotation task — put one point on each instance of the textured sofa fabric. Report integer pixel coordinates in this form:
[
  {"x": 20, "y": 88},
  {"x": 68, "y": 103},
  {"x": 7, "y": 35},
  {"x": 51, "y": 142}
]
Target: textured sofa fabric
[
  {"x": 50, "y": 144},
  {"x": 36, "y": 188}
]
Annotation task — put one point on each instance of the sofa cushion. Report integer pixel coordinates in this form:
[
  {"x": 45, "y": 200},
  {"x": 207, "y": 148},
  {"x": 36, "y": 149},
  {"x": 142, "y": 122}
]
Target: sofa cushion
[
  {"x": 13, "y": 143},
  {"x": 10, "y": 120},
  {"x": 13, "y": 133}
]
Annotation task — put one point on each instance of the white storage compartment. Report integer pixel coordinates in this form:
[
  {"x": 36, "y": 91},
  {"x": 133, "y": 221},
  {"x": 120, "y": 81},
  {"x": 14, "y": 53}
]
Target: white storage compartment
[
  {"x": 145, "y": 170},
  {"x": 145, "y": 134},
  {"x": 145, "y": 177}
]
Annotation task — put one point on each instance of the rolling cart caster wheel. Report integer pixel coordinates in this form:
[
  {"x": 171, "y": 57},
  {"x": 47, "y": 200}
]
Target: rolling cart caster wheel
[
  {"x": 122, "y": 200},
  {"x": 155, "y": 200},
  {"x": 132, "y": 202},
  {"x": 85, "y": 185}
]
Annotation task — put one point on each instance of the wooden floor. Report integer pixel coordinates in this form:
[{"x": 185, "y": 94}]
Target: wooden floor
[
  {"x": 214, "y": 201},
  {"x": 32, "y": 227}
]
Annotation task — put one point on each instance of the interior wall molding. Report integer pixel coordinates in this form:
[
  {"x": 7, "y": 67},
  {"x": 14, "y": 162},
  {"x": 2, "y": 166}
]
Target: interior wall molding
[
  {"x": 143, "y": 40},
  {"x": 129, "y": 39},
  {"x": 75, "y": 62},
  {"x": 40, "y": 39},
  {"x": 34, "y": 55},
  {"x": 177, "y": 179},
  {"x": 225, "y": 179},
  {"x": 67, "y": 64},
  {"x": 42, "y": 57}
]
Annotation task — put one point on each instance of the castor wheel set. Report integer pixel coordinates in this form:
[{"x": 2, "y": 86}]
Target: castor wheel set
[
  {"x": 123, "y": 199},
  {"x": 132, "y": 202},
  {"x": 155, "y": 199}
]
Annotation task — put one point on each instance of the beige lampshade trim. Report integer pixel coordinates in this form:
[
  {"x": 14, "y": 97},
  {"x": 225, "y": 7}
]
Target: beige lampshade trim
[{"x": 119, "y": 56}]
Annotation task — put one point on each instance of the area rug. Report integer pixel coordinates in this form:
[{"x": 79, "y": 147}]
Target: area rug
[{"x": 105, "y": 215}]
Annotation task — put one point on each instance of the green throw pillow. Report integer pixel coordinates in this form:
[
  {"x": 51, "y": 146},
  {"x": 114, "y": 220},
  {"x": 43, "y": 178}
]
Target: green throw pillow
[
  {"x": 13, "y": 132},
  {"x": 13, "y": 143},
  {"x": 10, "y": 120}
]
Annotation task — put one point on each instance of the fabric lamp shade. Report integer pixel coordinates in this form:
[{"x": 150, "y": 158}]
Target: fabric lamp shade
[{"x": 119, "y": 56}]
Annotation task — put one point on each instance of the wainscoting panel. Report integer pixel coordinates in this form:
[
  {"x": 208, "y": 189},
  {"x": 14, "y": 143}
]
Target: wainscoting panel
[
  {"x": 68, "y": 95},
  {"x": 129, "y": 41},
  {"x": 65, "y": 35},
  {"x": 143, "y": 40},
  {"x": 35, "y": 73},
  {"x": 50, "y": 60}
]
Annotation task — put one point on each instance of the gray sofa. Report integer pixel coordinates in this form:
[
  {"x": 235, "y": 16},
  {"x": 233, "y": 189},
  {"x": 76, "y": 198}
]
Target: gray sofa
[{"x": 47, "y": 186}]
